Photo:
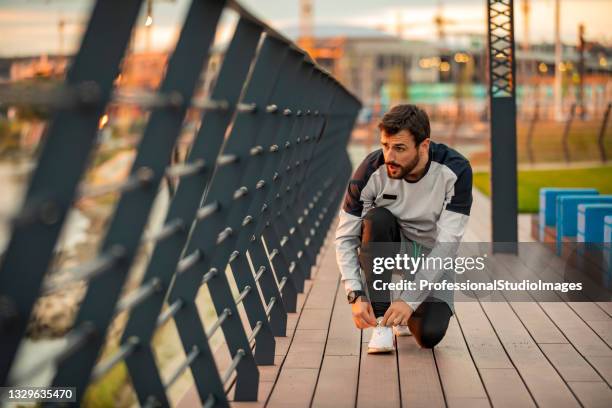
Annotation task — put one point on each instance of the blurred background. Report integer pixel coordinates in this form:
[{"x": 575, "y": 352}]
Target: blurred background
[{"x": 431, "y": 53}]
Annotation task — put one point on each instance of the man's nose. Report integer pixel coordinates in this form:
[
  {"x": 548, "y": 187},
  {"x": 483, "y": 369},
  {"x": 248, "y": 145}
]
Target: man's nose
[{"x": 390, "y": 156}]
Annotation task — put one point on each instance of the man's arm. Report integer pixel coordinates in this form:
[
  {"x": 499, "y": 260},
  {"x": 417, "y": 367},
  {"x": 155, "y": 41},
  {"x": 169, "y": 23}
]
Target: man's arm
[
  {"x": 357, "y": 201},
  {"x": 348, "y": 238},
  {"x": 451, "y": 226}
]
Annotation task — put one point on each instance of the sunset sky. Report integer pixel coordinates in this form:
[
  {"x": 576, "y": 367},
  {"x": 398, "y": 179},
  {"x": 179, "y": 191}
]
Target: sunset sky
[{"x": 29, "y": 27}]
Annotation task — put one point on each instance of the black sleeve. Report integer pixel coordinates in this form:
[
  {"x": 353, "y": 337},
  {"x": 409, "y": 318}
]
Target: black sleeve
[
  {"x": 461, "y": 201},
  {"x": 352, "y": 199}
]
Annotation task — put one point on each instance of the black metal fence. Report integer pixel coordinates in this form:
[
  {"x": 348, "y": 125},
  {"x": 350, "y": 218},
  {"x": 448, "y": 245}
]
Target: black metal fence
[{"x": 257, "y": 193}]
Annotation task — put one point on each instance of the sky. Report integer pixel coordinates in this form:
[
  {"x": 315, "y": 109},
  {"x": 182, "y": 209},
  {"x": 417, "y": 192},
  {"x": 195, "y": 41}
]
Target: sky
[{"x": 30, "y": 27}]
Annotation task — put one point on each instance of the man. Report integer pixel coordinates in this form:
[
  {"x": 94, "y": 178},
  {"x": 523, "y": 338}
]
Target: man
[{"x": 415, "y": 194}]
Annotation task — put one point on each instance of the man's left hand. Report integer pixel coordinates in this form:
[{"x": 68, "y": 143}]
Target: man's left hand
[{"x": 397, "y": 314}]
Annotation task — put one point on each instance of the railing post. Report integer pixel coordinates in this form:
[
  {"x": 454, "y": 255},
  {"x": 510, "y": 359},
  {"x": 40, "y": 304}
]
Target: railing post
[
  {"x": 131, "y": 214},
  {"x": 68, "y": 143},
  {"x": 257, "y": 192},
  {"x": 602, "y": 133},
  {"x": 502, "y": 103},
  {"x": 566, "y": 131}
]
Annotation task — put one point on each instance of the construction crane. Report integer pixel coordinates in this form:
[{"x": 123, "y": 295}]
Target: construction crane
[
  {"x": 306, "y": 41},
  {"x": 439, "y": 21},
  {"x": 526, "y": 15},
  {"x": 62, "y": 22},
  {"x": 148, "y": 23}
]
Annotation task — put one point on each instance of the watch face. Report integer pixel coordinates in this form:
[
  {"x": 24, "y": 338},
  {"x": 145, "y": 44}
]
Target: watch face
[{"x": 351, "y": 297}]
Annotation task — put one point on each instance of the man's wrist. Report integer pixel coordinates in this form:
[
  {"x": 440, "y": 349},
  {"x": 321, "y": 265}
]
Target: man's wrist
[
  {"x": 413, "y": 305},
  {"x": 355, "y": 295}
]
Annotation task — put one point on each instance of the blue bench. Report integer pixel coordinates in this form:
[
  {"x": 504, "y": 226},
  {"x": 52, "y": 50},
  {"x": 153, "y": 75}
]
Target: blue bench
[
  {"x": 548, "y": 203},
  {"x": 591, "y": 222},
  {"x": 608, "y": 245},
  {"x": 590, "y": 238},
  {"x": 567, "y": 214}
]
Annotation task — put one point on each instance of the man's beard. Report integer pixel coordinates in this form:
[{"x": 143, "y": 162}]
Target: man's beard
[{"x": 404, "y": 170}]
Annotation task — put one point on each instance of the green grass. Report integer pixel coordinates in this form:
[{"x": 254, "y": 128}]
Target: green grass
[{"x": 530, "y": 181}]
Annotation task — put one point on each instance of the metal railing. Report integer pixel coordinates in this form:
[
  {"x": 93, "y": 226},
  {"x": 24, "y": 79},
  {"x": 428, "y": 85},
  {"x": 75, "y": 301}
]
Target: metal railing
[{"x": 258, "y": 191}]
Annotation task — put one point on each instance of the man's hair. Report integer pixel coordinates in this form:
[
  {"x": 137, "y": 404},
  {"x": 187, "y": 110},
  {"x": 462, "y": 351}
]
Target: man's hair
[{"x": 406, "y": 117}]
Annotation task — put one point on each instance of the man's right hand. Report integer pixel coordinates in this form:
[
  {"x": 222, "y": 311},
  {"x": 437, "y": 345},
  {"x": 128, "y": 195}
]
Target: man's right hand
[{"x": 363, "y": 315}]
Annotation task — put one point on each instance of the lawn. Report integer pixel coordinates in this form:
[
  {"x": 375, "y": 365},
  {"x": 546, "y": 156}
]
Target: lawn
[{"x": 530, "y": 181}]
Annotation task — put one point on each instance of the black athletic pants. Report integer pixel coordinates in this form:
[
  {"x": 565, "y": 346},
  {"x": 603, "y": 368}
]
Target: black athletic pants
[{"x": 429, "y": 321}]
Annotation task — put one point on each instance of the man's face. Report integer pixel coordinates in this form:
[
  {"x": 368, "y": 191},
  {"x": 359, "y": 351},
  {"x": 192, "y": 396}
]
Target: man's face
[{"x": 401, "y": 154}]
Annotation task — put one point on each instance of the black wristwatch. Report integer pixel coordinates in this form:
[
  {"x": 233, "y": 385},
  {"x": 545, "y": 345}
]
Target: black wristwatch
[{"x": 353, "y": 295}]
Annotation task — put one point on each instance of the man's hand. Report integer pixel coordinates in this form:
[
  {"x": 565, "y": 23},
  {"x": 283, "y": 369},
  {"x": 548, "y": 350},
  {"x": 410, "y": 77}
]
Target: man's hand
[
  {"x": 397, "y": 314},
  {"x": 363, "y": 315}
]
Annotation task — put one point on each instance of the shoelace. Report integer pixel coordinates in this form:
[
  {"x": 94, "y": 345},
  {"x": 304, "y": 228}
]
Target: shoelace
[{"x": 379, "y": 328}]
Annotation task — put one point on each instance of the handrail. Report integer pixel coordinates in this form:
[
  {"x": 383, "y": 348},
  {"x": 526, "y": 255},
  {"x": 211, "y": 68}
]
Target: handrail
[{"x": 254, "y": 198}]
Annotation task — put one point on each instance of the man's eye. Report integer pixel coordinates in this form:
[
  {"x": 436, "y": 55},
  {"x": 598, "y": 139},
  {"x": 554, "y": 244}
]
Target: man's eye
[{"x": 399, "y": 149}]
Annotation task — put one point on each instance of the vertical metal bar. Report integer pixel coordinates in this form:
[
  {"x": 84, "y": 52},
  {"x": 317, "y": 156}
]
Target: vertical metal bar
[
  {"x": 602, "y": 133},
  {"x": 154, "y": 150},
  {"x": 502, "y": 101},
  {"x": 64, "y": 154},
  {"x": 532, "y": 123},
  {"x": 566, "y": 131},
  {"x": 142, "y": 321}
]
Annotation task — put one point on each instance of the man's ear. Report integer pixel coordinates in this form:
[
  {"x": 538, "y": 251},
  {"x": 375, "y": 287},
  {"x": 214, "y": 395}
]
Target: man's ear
[{"x": 425, "y": 145}]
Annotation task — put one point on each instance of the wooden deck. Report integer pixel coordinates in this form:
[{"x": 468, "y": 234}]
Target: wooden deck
[{"x": 504, "y": 354}]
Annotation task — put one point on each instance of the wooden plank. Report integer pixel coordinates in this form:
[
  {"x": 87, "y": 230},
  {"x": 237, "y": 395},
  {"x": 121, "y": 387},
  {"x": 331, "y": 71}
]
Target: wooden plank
[
  {"x": 589, "y": 311},
  {"x": 343, "y": 339},
  {"x": 593, "y": 394},
  {"x": 603, "y": 365},
  {"x": 486, "y": 350},
  {"x": 337, "y": 384},
  {"x": 576, "y": 330},
  {"x": 268, "y": 373},
  {"x": 378, "y": 380},
  {"x": 304, "y": 354},
  {"x": 460, "y": 379},
  {"x": 294, "y": 388},
  {"x": 315, "y": 319},
  {"x": 541, "y": 328},
  {"x": 502, "y": 382},
  {"x": 468, "y": 402},
  {"x": 546, "y": 386},
  {"x": 596, "y": 318},
  {"x": 418, "y": 375},
  {"x": 570, "y": 364},
  {"x": 339, "y": 375},
  {"x": 262, "y": 394},
  {"x": 322, "y": 295},
  {"x": 606, "y": 307},
  {"x": 603, "y": 329},
  {"x": 506, "y": 388}
]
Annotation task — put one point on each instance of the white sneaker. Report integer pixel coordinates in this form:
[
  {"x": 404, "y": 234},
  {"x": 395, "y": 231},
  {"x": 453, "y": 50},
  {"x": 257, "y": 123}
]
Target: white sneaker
[
  {"x": 402, "y": 331},
  {"x": 382, "y": 340}
]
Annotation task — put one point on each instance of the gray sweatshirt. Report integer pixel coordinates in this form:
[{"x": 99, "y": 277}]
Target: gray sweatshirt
[{"x": 433, "y": 210}]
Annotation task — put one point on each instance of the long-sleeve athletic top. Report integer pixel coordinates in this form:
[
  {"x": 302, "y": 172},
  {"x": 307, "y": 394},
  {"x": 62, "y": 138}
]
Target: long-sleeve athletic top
[{"x": 431, "y": 211}]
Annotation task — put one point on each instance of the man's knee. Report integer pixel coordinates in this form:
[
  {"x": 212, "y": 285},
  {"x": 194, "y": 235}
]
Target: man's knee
[
  {"x": 429, "y": 336},
  {"x": 379, "y": 224},
  {"x": 430, "y": 322}
]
